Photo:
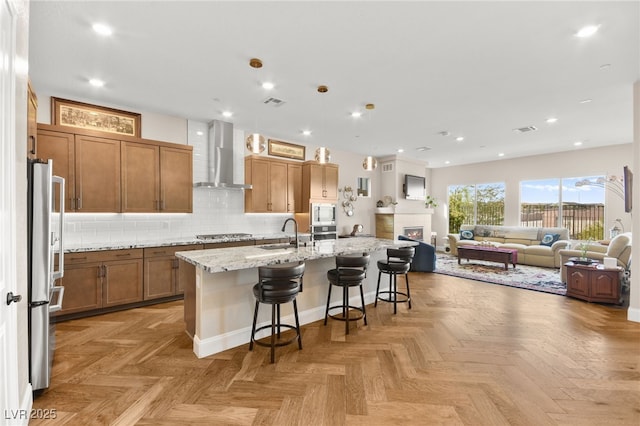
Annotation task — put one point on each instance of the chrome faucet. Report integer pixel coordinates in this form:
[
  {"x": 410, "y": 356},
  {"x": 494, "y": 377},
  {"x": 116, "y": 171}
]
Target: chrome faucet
[{"x": 295, "y": 223}]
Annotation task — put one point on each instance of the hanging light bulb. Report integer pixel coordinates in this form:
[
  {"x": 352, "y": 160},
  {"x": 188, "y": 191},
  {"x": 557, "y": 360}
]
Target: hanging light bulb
[
  {"x": 369, "y": 163},
  {"x": 256, "y": 143},
  {"x": 323, "y": 155}
]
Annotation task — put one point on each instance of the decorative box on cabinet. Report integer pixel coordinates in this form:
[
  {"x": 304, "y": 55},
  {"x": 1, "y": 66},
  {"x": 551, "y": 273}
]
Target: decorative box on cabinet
[
  {"x": 594, "y": 283},
  {"x": 275, "y": 185},
  {"x": 319, "y": 183},
  {"x": 161, "y": 271},
  {"x": 102, "y": 279}
]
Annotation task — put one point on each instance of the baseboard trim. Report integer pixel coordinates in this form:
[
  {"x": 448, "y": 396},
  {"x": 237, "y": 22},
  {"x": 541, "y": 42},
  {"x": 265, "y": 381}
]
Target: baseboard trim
[{"x": 633, "y": 314}]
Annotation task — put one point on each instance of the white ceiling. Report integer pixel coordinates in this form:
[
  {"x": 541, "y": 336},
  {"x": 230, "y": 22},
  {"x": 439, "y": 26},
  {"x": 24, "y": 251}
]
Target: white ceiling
[{"x": 475, "y": 69}]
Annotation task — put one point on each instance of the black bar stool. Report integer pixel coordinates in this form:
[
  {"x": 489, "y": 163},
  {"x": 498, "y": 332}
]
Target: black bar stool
[
  {"x": 350, "y": 271},
  {"x": 398, "y": 262},
  {"x": 277, "y": 285}
]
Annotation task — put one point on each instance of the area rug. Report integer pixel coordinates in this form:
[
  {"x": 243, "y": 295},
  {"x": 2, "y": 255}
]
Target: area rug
[{"x": 523, "y": 276}]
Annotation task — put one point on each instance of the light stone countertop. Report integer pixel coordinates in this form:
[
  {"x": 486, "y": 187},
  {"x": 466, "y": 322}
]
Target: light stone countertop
[
  {"x": 236, "y": 258},
  {"x": 166, "y": 242}
]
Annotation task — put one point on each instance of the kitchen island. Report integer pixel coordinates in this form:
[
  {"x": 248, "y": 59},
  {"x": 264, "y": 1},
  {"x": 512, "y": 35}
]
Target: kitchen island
[{"x": 219, "y": 304}]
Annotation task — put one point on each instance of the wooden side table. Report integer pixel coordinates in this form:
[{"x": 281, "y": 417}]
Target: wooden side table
[{"x": 594, "y": 283}]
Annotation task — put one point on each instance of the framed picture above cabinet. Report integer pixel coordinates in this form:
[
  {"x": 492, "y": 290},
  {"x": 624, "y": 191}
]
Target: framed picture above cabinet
[{"x": 92, "y": 117}]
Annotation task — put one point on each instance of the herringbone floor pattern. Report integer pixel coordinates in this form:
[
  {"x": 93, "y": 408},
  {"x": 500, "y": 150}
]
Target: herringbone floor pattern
[{"x": 468, "y": 353}]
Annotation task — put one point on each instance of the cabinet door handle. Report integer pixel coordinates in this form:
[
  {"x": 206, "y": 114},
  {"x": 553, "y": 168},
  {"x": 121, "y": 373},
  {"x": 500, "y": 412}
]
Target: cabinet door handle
[
  {"x": 33, "y": 144},
  {"x": 160, "y": 252},
  {"x": 79, "y": 203},
  {"x": 175, "y": 264},
  {"x": 71, "y": 259},
  {"x": 123, "y": 255},
  {"x": 99, "y": 271}
]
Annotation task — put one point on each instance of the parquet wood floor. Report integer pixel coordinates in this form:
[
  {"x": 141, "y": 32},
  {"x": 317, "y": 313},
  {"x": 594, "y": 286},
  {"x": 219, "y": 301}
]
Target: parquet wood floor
[{"x": 468, "y": 353}]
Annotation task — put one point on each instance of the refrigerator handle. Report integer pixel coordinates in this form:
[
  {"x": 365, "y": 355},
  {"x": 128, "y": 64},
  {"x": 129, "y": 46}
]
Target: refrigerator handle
[
  {"x": 55, "y": 307},
  {"x": 60, "y": 272}
]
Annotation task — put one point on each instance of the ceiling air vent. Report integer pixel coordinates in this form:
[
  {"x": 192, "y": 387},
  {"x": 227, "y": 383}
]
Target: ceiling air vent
[
  {"x": 387, "y": 167},
  {"x": 525, "y": 129},
  {"x": 273, "y": 101}
]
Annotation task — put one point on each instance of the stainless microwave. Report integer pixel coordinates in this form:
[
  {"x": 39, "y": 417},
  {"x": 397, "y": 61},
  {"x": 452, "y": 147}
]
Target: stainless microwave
[{"x": 323, "y": 214}]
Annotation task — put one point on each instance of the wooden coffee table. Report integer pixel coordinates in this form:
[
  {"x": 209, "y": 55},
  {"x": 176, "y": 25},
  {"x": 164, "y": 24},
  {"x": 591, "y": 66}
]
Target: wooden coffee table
[{"x": 490, "y": 254}]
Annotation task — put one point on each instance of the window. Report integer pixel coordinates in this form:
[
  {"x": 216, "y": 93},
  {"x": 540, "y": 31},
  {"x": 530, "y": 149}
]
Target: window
[
  {"x": 481, "y": 204},
  {"x": 567, "y": 203}
]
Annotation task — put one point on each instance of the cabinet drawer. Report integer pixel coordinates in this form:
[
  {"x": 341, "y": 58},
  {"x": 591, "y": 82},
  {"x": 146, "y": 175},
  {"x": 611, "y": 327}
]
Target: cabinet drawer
[
  {"x": 169, "y": 250},
  {"x": 101, "y": 256}
]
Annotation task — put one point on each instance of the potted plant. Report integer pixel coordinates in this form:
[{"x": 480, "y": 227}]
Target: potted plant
[
  {"x": 584, "y": 248},
  {"x": 430, "y": 202}
]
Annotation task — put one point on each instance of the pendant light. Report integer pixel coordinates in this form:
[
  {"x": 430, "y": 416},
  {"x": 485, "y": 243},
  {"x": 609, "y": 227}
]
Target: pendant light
[
  {"x": 323, "y": 155},
  {"x": 369, "y": 163},
  {"x": 255, "y": 142}
]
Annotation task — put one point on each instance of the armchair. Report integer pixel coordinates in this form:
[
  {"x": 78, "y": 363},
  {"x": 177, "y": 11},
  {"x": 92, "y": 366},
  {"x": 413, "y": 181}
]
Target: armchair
[
  {"x": 424, "y": 260},
  {"x": 619, "y": 248}
]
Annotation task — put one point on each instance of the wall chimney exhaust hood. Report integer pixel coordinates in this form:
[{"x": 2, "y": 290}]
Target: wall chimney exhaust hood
[{"x": 220, "y": 158}]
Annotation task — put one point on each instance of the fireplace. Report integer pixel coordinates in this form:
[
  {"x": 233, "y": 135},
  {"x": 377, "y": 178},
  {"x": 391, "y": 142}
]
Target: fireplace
[{"x": 414, "y": 232}]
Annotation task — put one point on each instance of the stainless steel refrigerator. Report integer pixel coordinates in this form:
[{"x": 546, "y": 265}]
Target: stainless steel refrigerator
[{"x": 43, "y": 243}]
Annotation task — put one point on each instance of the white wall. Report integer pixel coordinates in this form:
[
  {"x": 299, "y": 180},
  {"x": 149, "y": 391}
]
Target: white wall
[
  {"x": 633, "y": 313},
  {"x": 580, "y": 162}
]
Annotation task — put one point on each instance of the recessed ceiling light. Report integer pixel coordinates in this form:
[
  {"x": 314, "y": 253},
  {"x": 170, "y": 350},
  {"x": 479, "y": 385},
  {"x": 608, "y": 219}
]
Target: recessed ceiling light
[
  {"x": 102, "y": 29},
  {"x": 587, "y": 31},
  {"x": 227, "y": 114},
  {"x": 268, "y": 85},
  {"x": 356, "y": 114},
  {"x": 423, "y": 148},
  {"x": 199, "y": 133},
  {"x": 551, "y": 120},
  {"x": 577, "y": 143},
  {"x": 501, "y": 154},
  {"x": 96, "y": 82},
  {"x": 460, "y": 138},
  {"x": 306, "y": 132},
  {"x": 586, "y": 101},
  {"x": 400, "y": 150},
  {"x": 447, "y": 162}
]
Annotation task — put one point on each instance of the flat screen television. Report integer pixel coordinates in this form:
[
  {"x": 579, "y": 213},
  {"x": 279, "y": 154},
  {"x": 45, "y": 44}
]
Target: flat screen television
[
  {"x": 628, "y": 188},
  {"x": 414, "y": 187}
]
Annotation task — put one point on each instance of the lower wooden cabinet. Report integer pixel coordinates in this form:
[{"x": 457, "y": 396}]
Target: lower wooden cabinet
[
  {"x": 161, "y": 271},
  {"x": 593, "y": 283},
  {"x": 102, "y": 279},
  {"x": 384, "y": 226}
]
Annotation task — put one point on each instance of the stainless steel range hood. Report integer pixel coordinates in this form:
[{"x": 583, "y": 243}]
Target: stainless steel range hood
[{"x": 220, "y": 158}]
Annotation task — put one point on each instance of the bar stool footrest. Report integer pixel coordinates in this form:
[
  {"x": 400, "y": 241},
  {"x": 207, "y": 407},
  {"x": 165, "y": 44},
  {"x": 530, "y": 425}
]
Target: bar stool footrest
[
  {"x": 360, "y": 316},
  {"x": 404, "y": 297},
  {"x": 278, "y": 342}
]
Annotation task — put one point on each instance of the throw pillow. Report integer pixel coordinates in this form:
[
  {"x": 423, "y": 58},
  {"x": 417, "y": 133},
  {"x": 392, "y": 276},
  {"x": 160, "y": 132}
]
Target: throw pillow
[
  {"x": 466, "y": 234},
  {"x": 549, "y": 239}
]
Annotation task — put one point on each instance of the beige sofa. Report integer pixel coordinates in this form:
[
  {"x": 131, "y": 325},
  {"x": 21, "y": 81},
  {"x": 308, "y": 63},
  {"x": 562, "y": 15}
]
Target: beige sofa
[
  {"x": 528, "y": 242},
  {"x": 619, "y": 248}
]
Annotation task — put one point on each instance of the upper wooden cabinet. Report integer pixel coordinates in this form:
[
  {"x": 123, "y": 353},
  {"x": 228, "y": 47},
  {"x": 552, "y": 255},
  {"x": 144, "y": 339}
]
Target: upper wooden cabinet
[
  {"x": 275, "y": 185},
  {"x": 90, "y": 167},
  {"x": 113, "y": 175},
  {"x": 319, "y": 183},
  {"x": 155, "y": 178},
  {"x": 32, "y": 123}
]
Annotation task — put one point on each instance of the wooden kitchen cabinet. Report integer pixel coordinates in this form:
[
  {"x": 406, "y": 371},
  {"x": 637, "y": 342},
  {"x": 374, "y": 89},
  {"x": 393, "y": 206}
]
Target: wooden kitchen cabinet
[
  {"x": 161, "y": 271},
  {"x": 294, "y": 188},
  {"x": 593, "y": 283},
  {"x": 270, "y": 191},
  {"x": 319, "y": 183},
  {"x": 90, "y": 167},
  {"x": 384, "y": 226},
  {"x": 102, "y": 279},
  {"x": 156, "y": 178},
  {"x": 32, "y": 122}
]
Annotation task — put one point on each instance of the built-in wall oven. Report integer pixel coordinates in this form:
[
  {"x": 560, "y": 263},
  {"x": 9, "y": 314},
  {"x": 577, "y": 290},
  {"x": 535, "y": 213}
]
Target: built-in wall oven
[{"x": 323, "y": 221}]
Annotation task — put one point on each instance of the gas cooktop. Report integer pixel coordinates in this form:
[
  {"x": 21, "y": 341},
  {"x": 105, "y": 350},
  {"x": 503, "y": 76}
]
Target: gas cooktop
[{"x": 221, "y": 236}]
